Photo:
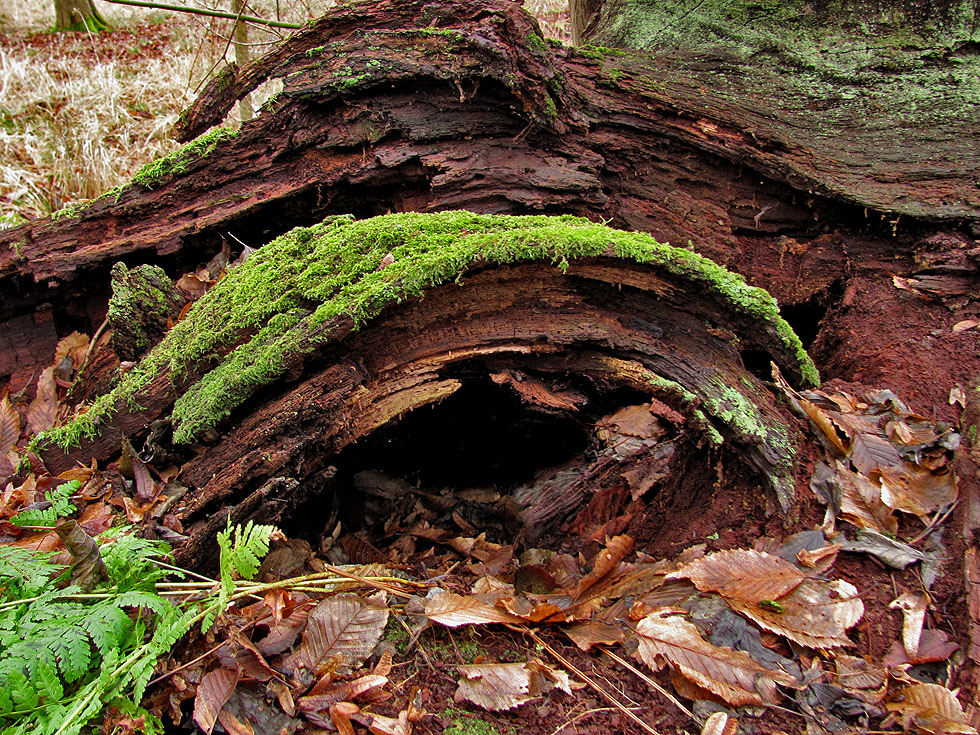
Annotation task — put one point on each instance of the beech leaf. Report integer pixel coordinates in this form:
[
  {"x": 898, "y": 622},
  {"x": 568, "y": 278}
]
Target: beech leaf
[
  {"x": 742, "y": 574},
  {"x": 497, "y": 687},
  {"x": 344, "y": 625},
  {"x": 43, "y": 411},
  {"x": 89, "y": 569},
  {"x": 816, "y": 614},
  {"x": 454, "y": 610},
  {"x": 214, "y": 690},
  {"x": 9, "y": 426},
  {"x": 932, "y": 708},
  {"x": 862, "y": 503},
  {"x": 732, "y": 675}
]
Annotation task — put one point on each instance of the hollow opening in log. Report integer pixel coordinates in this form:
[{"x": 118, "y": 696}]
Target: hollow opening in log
[{"x": 523, "y": 454}]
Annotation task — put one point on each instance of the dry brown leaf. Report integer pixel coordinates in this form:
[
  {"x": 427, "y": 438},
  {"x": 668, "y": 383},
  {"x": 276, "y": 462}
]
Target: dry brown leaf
[
  {"x": 871, "y": 451},
  {"x": 861, "y": 503},
  {"x": 732, "y": 675},
  {"x": 913, "y": 609},
  {"x": 823, "y": 422},
  {"x": 821, "y": 559},
  {"x": 214, "y": 690},
  {"x": 606, "y": 562},
  {"x": 453, "y": 610},
  {"x": 719, "y": 723},
  {"x": 75, "y": 346},
  {"x": 344, "y": 625},
  {"x": 962, "y": 326},
  {"x": 340, "y": 691},
  {"x": 864, "y": 680},
  {"x": 381, "y": 725},
  {"x": 742, "y": 574},
  {"x": 634, "y": 421},
  {"x": 916, "y": 490},
  {"x": 340, "y": 716},
  {"x": 43, "y": 411},
  {"x": 932, "y": 709},
  {"x": 589, "y": 633},
  {"x": 88, "y": 569},
  {"x": 9, "y": 426},
  {"x": 497, "y": 687},
  {"x": 934, "y": 645},
  {"x": 816, "y": 614}
]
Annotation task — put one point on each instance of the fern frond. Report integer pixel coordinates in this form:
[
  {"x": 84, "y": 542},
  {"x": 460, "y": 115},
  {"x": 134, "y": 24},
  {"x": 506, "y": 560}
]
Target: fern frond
[{"x": 60, "y": 507}]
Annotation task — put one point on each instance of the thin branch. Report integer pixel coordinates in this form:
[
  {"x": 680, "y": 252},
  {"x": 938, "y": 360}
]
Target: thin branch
[
  {"x": 202, "y": 11},
  {"x": 598, "y": 689}
]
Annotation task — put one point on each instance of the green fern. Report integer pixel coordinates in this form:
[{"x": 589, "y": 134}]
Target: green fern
[
  {"x": 60, "y": 507},
  {"x": 64, "y": 657},
  {"x": 241, "y": 557}
]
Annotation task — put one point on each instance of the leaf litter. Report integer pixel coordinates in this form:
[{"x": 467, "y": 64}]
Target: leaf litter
[{"x": 749, "y": 630}]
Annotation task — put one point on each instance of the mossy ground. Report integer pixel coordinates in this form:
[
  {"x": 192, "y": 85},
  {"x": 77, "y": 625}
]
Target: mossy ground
[{"x": 282, "y": 300}]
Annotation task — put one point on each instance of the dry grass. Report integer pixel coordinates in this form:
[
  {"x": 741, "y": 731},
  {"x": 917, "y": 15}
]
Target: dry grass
[{"x": 81, "y": 113}]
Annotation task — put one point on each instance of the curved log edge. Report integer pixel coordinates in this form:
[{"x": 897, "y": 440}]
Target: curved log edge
[{"x": 606, "y": 308}]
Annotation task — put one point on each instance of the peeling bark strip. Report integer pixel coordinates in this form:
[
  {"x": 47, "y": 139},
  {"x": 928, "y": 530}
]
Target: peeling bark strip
[
  {"x": 333, "y": 333},
  {"x": 396, "y": 106}
]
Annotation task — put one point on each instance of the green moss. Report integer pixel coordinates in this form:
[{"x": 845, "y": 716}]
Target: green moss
[
  {"x": 468, "y": 723},
  {"x": 598, "y": 52},
  {"x": 164, "y": 169},
  {"x": 71, "y": 211},
  {"x": 971, "y": 435},
  {"x": 285, "y": 297}
]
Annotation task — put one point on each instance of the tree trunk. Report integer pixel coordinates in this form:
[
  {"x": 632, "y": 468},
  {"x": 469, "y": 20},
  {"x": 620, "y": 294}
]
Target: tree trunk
[
  {"x": 78, "y": 15},
  {"x": 860, "y": 214}
]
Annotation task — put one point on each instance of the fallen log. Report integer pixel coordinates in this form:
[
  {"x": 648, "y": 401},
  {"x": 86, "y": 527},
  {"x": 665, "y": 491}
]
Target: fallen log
[{"x": 331, "y": 335}]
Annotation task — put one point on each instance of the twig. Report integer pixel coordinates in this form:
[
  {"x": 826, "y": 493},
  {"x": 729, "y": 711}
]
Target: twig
[
  {"x": 203, "y": 11},
  {"x": 939, "y": 518},
  {"x": 580, "y": 715},
  {"x": 569, "y": 665},
  {"x": 371, "y": 583},
  {"x": 627, "y": 665}
]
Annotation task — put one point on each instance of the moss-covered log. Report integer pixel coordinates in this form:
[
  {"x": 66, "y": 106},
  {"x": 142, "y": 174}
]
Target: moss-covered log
[
  {"x": 331, "y": 336},
  {"x": 418, "y": 106}
]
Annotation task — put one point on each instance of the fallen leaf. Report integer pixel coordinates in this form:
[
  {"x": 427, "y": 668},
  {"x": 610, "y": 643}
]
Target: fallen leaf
[
  {"x": 453, "y": 610},
  {"x": 497, "y": 687},
  {"x": 589, "y": 633},
  {"x": 894, "y": 553},
  {"x": 823, "y": 557},
  {"x": 913, "y": 609},
  {"x": 965, "y": 324},
  {"x": 213, "y": 692},
  {"x": 957, "y": 396},
  {"x": 381, "y": 725},
  {"x": 871, "y": 451},
  {"x": 89, "y": 569},
  {"x": 815, "y": 614},
  {"x": 917, "y": 490},
  {"x": 43, "y": 411},
  {"x": 934, "y": 645},
  {"x": 932, "y": 709},
  {"x": 742, "y": 574},
  {"x": 605, "y": 562},
  {"x": 732, "y": 675},
  {"x": 344, "y": 625},
  {"x": 9, "y": 425},
  {"x": 860, "y": 678},
  {"x": 719, "y": 723},
  {"x": 340, "y": 691},
  {"x": 340, "y": 716},
  {"x": 74, "y": 346},
  {"x": 862, "y": 504}
]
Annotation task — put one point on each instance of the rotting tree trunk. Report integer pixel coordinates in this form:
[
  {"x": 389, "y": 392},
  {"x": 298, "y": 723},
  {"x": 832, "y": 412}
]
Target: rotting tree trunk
[{"x": 849, "y": 193}]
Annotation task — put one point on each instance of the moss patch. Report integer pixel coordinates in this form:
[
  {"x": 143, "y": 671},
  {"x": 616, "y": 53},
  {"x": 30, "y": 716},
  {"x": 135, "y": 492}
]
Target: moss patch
[
  {"x": 162, "y": 170},
  {"x": 283, "y": 299}
]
